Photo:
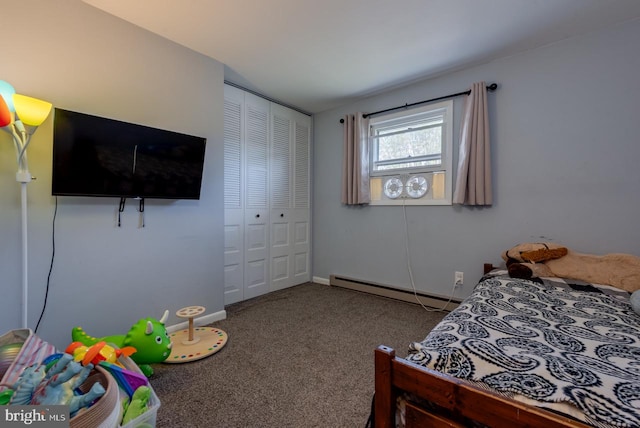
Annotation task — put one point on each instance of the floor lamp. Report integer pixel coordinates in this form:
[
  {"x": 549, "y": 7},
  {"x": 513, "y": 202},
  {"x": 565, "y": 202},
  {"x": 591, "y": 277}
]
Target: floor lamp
[{"x": 20, "y": 116}]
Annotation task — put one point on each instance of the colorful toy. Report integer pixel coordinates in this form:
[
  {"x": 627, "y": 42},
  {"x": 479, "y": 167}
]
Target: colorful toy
[
  {"x": 57, "y": 386},
  {"x": 97, "y": 353},
  {"x": 27, "y": 384},
  {"x": 5, "y": 396},
  {"x": 128, "y": 380},
  {"x": 195, "y": 343},
  {"x": 138, "y": 405},
  {"x": 8, "y": 353},
  {"x": 148, "y": 336},
  {"x": 51, "y": 360}
]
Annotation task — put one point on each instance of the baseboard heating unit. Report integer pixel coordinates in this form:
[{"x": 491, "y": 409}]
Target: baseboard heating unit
[{"x": 407, "y": 295}]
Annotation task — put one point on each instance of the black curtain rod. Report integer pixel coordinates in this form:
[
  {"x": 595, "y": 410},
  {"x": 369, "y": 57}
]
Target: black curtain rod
[{"x": 491, "y": 87}]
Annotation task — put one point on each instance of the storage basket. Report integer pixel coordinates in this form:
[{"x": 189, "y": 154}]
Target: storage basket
[
  {"x": 34, "y": 350},
  {"x": 104, "y": 413},
  {"x": 148, "y": 418}
]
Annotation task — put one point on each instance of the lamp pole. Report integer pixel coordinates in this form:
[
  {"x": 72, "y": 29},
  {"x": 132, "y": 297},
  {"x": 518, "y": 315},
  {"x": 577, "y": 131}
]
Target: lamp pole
[
  {"x": 21, "y": 177},
  {"x": 21, "y": 139},
  {"x": 20, "y": 116},
  {"x": 25, "y": 256}
]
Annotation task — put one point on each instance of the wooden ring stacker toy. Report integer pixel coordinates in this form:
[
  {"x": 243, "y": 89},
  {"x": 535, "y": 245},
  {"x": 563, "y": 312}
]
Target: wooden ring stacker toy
[{"x": 194, "y": 343}]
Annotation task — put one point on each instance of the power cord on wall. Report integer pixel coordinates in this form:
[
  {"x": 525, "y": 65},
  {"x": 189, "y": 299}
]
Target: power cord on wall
[
  {"x": 413, "y": 285},
  {"x": 53, "y": 254}
]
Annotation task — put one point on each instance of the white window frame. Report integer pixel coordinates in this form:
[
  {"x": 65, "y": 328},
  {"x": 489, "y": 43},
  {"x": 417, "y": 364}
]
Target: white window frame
[{"x": 445, "y": 109}]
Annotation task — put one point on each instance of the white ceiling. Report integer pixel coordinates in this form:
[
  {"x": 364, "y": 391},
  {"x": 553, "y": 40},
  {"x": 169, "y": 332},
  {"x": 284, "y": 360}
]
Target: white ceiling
[{"x": 318, "y": 54}]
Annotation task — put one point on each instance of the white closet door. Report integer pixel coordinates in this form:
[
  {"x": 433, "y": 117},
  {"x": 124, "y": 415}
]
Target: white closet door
[
  {"x": 301, "y": 211},
  {"x": 281, "y": 262},
  {"x": 233, "y": 195},
  {"x": 266, "y": 196},
  {"x": 289, "y": 186},
  {"x": 256, "y": 225}
]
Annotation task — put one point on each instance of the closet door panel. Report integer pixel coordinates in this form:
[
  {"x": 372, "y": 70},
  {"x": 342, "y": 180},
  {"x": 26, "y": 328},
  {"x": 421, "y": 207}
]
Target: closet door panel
[
  {"x": 301, "y": 170},
  {"x": 256, "y": 268},
  {"x": 300, "y": 213},
  {"x": 233, "y": 196},
  {"x": 301, "y": 268},
  {"x": 280, "y": 192},
  {"x": 233, "y": 263},
  {"x": 257, "y": 153},
  {"x": 257, "y": 198},
  {"x": 280, "y": 160}
]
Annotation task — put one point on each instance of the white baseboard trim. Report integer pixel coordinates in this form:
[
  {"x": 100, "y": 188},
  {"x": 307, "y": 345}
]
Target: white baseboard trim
[
  {"x": 319, "y": 280},
  {"x": 203, "y": 320},
  {"x": 431, "y": 300}
]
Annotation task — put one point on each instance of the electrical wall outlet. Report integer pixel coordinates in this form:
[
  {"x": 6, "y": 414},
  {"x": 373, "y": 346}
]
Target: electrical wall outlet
[{"x": 459, "y": 278}]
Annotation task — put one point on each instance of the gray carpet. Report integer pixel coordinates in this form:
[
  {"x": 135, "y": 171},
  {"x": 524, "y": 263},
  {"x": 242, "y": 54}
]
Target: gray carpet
[{"x": 300, "y": 357}]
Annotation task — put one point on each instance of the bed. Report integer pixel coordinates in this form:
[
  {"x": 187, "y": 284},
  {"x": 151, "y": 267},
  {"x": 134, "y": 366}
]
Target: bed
[{"x": 545, "y": 352}]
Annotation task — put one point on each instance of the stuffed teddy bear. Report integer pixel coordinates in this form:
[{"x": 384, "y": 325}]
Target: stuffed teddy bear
[
  {"x": 527, "y": 260},
  {"x": 545, "y": 259}
]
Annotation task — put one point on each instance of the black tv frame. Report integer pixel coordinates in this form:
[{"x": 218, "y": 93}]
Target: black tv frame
[{"x": 102, "y": 157}]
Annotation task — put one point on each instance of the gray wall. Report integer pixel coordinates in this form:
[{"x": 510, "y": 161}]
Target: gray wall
[
  {"x": 565, "y": 126},
  {"x": 105, "y": 278}
]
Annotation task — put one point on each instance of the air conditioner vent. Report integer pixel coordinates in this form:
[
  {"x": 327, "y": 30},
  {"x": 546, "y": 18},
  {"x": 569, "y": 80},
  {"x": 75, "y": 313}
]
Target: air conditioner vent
[
  {"x": 408, "y": 189},
  {"x": 417, "y": 186}
]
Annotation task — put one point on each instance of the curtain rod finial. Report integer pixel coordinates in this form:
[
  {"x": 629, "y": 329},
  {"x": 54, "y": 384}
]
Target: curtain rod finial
[{"x": 492, "y": 87}]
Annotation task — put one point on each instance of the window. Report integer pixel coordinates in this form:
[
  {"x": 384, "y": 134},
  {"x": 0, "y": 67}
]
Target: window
[{"x": 411, "y": 156}]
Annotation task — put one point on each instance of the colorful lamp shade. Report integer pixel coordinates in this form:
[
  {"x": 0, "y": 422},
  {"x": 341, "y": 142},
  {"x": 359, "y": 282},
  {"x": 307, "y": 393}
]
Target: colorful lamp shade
[
  {"x": 6, "y": 92},
  {"x": 31, "y": 111},
  {"x": 5, "y": 114}
]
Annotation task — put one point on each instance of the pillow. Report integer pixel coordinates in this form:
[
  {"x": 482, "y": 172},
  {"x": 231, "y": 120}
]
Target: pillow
[{"x": 635, "y": 301}]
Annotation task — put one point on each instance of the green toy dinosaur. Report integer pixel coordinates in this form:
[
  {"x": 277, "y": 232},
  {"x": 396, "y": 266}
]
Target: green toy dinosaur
[{"x": 149, "y": 336}]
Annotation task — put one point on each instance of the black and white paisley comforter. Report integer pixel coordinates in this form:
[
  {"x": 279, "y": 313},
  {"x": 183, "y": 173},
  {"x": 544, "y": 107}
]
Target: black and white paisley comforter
[{"x": 548, "y": 340}]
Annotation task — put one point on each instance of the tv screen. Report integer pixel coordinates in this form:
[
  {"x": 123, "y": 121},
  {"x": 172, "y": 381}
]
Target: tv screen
[{"x": 96, "y": 156}]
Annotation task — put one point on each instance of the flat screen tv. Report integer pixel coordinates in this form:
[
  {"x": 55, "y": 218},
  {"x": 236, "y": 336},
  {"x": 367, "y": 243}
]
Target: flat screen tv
[{"x": 96, "y": 156}]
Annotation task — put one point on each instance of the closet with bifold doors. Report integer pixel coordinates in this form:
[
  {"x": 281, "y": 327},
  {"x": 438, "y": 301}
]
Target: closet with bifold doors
[{"x": 267, "y": 155}]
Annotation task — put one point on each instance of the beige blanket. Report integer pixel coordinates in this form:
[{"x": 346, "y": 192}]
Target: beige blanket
[{"x": 618, "y": 270}]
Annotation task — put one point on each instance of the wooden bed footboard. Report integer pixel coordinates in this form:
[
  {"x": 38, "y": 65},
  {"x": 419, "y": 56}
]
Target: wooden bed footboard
[{"x": 453, "y": 402}]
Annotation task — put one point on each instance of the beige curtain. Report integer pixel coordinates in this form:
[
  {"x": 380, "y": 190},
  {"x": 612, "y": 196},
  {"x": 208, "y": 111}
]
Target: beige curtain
[
  {"x": 473, "y": 182},
  {"x": 355, "y": 160}
]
